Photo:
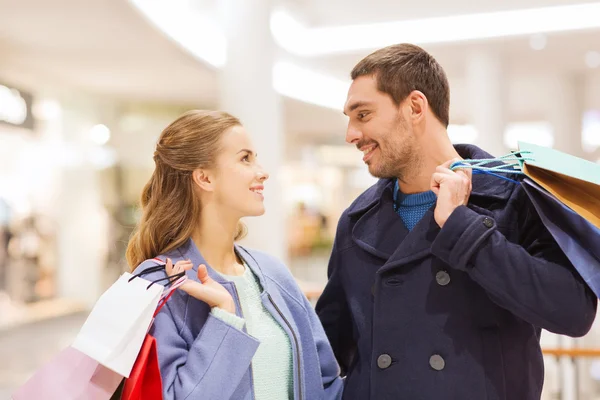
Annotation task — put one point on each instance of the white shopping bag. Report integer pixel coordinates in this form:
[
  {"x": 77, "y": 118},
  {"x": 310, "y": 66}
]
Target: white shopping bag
[{"x": 115, "y": 329}]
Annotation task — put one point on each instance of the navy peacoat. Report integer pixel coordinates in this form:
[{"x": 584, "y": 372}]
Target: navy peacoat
[{"x": 453, "y": 313}]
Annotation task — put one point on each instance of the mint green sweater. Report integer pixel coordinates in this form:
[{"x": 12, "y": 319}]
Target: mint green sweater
[{"x": 272, "y": 363}]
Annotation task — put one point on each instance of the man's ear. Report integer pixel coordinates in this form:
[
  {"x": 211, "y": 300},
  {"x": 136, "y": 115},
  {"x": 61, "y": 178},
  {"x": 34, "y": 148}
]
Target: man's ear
[
  {"x": 418, "y": 106},
  {"x": 203, "y": 180}
]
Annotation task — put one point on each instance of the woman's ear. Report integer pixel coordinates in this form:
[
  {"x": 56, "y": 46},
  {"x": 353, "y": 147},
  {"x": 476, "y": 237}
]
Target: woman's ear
[{"x": 203, "y": 180}]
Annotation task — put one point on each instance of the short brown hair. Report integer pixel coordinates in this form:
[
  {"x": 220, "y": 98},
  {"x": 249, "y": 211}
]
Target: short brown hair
[{"x": 401, "y": 68}]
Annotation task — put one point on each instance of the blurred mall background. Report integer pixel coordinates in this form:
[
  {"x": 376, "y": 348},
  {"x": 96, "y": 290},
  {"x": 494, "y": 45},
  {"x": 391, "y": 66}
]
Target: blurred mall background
[{"x": 87, "y": 86}]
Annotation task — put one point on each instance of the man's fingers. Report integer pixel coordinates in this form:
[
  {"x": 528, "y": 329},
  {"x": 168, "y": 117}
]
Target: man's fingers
[{"x": 437, "y": 178}]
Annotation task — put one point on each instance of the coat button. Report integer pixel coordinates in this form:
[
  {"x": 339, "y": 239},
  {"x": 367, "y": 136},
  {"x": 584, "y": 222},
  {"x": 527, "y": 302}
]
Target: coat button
[
  {"x": 442, "y": 278},
  {"x": 437, "y": 362},
  {"x": 384, "y": 361},
  {"x": 488, "y": 222}
]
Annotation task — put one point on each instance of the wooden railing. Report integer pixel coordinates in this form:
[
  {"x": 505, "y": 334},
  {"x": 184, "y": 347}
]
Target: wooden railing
[{"x": 574, "y": 352}]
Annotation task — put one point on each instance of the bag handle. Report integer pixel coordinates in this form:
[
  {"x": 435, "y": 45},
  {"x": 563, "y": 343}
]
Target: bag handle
[
  {"x": 169, "y": 292},
  {"x": 513, "y": 166},
  {"x": 171, "y": 278},
  {"x": 175, "y": 281}
]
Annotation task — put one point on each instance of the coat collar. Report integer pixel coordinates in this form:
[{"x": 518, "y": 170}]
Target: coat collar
[
  {"x": 190, "y": 251},
  {"x": 483, "y": 185},
  {"x": 381, "y": 232}
]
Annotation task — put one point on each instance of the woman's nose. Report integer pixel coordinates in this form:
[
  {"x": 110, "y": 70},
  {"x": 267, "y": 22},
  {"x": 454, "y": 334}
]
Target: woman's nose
[{"x": 263, "y": 176}]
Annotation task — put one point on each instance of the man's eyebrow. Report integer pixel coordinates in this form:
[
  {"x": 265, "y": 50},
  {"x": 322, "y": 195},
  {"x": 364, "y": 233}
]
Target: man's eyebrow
[{"x": 354, "y": 106}]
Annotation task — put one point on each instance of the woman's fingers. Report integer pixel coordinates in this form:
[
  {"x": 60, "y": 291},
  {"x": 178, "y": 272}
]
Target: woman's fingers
[
  {"x": 169, "y": 266},
  {"x": 180, "y": 266},
  {"x": 203, "y": 273},
  {"x": 195, "y": 289},
  {"x": 204, "y": 293},
  {"x": 183, "y": 265}
]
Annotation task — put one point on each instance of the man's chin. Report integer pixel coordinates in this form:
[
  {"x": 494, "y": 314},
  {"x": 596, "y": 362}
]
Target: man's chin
[
  {"x": 375, "y": 173},
  {"x": 379, "y": 174}
]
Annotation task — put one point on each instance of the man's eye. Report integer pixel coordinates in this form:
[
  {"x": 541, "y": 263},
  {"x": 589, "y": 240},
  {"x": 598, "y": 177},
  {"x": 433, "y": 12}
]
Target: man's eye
[{"x": 361, "y": 115}]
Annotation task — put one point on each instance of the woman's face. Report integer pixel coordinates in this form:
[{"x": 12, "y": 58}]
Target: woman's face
[{"x": 238, "y": 178}]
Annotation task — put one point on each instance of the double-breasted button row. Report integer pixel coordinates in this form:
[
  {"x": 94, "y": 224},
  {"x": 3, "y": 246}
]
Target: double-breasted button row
[{"x": 436, "y": 362}]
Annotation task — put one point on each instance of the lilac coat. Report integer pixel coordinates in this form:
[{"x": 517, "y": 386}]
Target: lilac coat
[{"x": 202, "y": 357}]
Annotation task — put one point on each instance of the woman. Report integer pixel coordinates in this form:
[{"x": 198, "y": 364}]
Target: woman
[{"x": 240, "y": 328}]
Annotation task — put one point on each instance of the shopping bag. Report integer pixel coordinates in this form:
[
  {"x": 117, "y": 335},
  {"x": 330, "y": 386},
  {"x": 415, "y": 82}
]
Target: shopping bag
[
  {"x": 117, "y": 325},
  {"x": 575, "y": 182},
  {"x": 565, "y": 190},
  {"x": 578, "y": 238},
  {"x": 144, "y": 382},
  {"x": 70, "y": 375}
]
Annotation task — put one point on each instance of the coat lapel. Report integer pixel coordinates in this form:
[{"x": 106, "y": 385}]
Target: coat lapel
[
  {"x": 416, "y": 244},
  {"x": 381, "y": 232}
]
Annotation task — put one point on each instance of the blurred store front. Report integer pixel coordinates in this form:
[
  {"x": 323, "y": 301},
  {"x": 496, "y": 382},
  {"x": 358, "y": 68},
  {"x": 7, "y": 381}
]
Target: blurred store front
[{"x": 72, "y": 170}]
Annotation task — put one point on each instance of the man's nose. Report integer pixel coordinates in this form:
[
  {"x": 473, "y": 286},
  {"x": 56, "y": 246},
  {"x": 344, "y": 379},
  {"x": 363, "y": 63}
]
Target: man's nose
[{"x": 353, "y": 135}]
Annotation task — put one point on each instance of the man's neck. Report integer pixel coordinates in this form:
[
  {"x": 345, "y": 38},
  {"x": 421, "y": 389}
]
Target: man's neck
[{"x": 435, "y": 148}]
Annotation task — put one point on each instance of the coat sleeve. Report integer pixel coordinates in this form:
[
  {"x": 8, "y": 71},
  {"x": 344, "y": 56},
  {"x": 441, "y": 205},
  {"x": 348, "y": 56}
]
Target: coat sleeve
[
  {"x": 333, "y": 384},
  {"x": 532, "y": 279},
  {"x": 211, "y": 367},
  {"x": 334, "y": 313}
]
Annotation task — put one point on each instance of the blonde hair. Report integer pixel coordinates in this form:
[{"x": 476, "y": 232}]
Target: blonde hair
[{"x": 170, "y": 207}]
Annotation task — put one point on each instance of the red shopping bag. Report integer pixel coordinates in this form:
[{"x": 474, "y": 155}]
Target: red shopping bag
[{"x": 144, "y": 382}]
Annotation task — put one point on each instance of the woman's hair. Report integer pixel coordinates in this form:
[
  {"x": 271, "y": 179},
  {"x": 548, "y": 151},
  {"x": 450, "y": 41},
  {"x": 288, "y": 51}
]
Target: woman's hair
[{"x": 170, "y": 207}]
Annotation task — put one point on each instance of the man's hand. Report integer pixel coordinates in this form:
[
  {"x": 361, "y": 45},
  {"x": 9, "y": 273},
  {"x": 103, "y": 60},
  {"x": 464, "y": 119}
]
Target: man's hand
[{"x": 452, "y": 188}]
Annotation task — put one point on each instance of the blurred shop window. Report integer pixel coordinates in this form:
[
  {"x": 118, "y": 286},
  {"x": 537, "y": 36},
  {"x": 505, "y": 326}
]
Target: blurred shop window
[
  {"x": 536, "y": 132},
  {"x": 462, "y": 133},
  {"x": 591, "y": 130},
  {"x": 306, "y": 231},
  {"x": 31, "y": 251},
  {"x": 5, "y": 235}
]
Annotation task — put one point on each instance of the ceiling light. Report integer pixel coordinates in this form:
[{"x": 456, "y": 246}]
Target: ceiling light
[
  {"x": 305, "y": 85},
  {"x": 188, "y": 27},
  {"x": 295, "y": 38}
]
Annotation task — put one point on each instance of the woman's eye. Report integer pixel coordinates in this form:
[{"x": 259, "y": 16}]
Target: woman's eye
[{"x": 246, "y": 158}]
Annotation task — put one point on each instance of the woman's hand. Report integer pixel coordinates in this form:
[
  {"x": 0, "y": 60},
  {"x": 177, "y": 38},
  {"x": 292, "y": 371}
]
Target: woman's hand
[{"x": 209, "y": 291}]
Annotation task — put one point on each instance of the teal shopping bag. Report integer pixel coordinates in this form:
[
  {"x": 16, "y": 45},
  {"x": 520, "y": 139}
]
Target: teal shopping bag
[{"x": 575, "y": 182}]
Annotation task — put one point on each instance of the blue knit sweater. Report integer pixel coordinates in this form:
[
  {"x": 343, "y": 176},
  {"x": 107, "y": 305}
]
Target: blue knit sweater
[{"x": 412, "y": 207}]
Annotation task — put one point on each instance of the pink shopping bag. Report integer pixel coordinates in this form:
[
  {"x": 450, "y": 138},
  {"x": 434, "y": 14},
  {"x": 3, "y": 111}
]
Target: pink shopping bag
[{"x": 70, "y": 375}]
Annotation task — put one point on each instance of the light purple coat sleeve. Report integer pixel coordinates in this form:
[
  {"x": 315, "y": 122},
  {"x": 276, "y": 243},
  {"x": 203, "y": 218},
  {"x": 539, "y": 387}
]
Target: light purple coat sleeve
[
  {"x": 197, "y": 372},
  {"x": 333, "y": 384}
]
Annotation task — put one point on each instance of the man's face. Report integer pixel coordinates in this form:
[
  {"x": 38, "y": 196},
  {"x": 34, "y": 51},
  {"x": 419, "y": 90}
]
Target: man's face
[{"x": 378, "y": 128}]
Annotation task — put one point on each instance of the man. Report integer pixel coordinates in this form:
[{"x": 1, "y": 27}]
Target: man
[{"x": 439, "y": 281}]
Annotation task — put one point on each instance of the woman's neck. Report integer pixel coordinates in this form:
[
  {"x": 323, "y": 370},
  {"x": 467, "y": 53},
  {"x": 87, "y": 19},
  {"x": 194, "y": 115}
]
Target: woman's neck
[{"x": 215, "y": 241}]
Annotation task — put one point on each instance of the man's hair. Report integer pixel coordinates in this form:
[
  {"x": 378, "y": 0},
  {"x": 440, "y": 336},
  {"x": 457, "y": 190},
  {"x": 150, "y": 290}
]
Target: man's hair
[{"x": 401, "y": 68}]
